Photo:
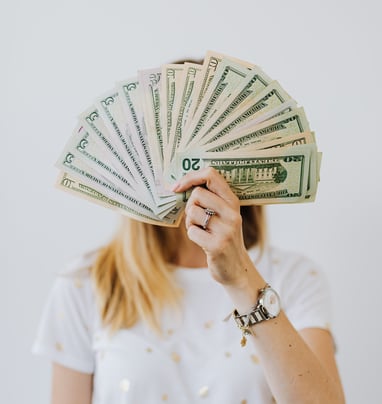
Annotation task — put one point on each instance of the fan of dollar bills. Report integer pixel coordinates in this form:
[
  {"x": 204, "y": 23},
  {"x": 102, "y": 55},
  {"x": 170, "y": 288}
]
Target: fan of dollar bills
[{"x": 148, "y": 131}]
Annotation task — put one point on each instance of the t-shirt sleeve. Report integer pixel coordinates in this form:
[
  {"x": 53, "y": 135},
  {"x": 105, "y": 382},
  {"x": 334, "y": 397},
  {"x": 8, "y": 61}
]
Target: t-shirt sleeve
[
  {"x": 305, "y": 293},
  {"x": 65, "y": 329}
]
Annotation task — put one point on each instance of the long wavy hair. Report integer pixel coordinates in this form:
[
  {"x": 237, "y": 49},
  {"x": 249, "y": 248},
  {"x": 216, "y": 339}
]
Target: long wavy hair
[{"x": 133, "y": 274}]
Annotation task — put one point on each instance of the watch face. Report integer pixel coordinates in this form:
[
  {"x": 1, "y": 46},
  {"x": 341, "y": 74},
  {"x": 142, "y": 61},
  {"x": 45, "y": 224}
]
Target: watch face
[{"x": 271, "y": 302}]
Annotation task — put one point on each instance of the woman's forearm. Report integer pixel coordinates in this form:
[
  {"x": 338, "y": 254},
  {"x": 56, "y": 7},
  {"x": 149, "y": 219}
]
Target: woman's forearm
[{"x": 295, "y": 373}]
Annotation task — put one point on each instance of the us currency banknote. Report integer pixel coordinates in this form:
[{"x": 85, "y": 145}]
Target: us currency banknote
[
  {"x": 162, "y": 123},
  {"x": 276, "y": 176},
  {"x": 181, "y": 109}
]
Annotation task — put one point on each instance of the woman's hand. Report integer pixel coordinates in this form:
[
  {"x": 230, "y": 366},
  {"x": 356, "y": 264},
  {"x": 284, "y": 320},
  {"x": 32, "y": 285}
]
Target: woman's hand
[
  {"x": 222, "y": 239},
  {"x": 298, "y": 369}
]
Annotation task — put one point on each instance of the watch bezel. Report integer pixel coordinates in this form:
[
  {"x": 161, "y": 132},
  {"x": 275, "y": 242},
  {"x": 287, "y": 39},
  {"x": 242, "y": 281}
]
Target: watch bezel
[{"x": 275, "y": 308}]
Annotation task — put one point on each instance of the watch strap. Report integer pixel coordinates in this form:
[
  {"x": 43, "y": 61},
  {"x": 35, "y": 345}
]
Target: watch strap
[
  {"x": 255, "y": 316},
  {"x": 248, "y": 320}
]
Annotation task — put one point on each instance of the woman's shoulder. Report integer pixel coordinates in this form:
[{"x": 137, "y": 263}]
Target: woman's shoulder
[
  {"x": 79, "y": 265},
  {"x": 70, "y": 317},
  {"x": 273, "y": 260},
  {"x": 287, "y": 260},
  {"x": 290, "y": 270},
  {"x": 303, "y": 286},
  {"x": 73, "y": 283}
]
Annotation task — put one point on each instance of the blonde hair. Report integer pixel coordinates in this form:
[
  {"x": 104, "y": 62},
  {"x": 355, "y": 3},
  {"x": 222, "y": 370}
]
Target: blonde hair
[{"x": 133, "y": 273}]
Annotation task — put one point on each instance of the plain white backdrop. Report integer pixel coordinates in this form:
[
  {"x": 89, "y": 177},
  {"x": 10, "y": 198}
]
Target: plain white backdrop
[{"x": 57, "y": 56}]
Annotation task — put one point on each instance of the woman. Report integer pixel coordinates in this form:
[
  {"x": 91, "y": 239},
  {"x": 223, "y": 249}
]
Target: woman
[{"x": 135, "y": 346}]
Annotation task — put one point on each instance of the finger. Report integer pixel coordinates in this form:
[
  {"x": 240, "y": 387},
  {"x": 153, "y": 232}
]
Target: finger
[
  {"x": 211, "y": 239},
  {"x": 206, "y": 199},
  {"x": 197, "y": 216},
  {"x": 209, "y": 177},
  {"x": 203, "y": 198},
  {"x": 200, "y": 237}
]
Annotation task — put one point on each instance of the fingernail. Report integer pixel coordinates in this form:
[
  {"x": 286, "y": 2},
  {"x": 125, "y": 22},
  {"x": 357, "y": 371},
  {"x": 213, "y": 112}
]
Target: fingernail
[{"x": 175, "y": 187}]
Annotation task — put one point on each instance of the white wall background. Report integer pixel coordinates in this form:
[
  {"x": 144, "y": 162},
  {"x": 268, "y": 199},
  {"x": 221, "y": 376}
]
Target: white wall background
[{"x": 57, "y": 56}]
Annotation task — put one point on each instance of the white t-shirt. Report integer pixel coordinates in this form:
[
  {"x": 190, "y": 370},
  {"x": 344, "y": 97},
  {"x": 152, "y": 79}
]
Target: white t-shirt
[{"x": 199, "y": 359}]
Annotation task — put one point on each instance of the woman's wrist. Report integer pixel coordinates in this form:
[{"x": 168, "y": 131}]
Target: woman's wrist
[{"x": 245, "y": 291}]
